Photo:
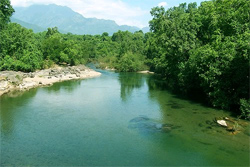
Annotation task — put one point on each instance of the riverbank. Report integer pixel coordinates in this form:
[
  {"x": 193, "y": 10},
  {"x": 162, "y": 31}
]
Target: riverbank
[
  {"x": 11, "y": 80},
  {"x": 145, "y": 72}
]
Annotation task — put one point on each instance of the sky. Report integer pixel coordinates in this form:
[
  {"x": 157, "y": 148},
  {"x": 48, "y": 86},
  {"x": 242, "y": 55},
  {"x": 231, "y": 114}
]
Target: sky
[{"x": 123, "y": 12}]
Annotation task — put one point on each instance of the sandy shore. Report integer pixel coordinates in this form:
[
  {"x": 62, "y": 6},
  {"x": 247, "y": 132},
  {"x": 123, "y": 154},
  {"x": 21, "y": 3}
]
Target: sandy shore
[{"x": 11, "y": 80}]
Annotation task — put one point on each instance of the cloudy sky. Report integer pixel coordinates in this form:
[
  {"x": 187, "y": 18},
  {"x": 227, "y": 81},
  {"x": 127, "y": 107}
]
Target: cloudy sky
[{"x": 124, "y": 12}]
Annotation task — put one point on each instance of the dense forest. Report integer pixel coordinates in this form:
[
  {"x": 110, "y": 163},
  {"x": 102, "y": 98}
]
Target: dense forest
[{"x": 203, "y": 49}]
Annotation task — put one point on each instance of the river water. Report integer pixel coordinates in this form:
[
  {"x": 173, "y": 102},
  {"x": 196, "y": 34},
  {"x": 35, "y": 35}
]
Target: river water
[{"x": 118, "y": 119}]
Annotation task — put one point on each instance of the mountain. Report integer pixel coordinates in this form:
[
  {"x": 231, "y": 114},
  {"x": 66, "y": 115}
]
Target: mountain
[
  {"x": 146, "y": 29},
  {"x": 45, "y": 16},
  {"x": 35, "y": 28}
]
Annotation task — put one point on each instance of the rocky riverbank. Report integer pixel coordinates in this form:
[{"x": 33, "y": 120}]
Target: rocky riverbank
[{"x": 11, "y": 80}]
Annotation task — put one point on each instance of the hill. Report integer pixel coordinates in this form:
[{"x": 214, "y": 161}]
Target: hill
[
  {"x": 35, "y": 28},
  {"x": 65, "y": 19}
]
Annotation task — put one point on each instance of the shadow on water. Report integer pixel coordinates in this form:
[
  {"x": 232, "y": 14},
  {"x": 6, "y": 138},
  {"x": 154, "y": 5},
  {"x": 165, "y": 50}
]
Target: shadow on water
[
  {"x": 196, "y": 97},
  {"x": 175, "y": 106},
  {"x": 155, "y": 83},
  {"x": 9, "y": 114},
  {"x": 129, "y": 82},
  {"x": 67, "y": 86}
]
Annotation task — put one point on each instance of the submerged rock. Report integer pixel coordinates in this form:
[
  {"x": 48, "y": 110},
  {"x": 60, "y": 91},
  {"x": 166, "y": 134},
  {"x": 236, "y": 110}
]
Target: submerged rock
[
  {"x": 138, "y": 119},
  {"x": 158, "y": 126},
  {"x": 146, "y": 125}
]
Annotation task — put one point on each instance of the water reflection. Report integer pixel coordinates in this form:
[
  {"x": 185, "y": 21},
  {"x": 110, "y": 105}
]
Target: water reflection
[
  {"x": 155, "y": 83},
  {"x": 81, "y": 123},
  {"x": 67, "y": 86},
  {"x": 129, "y": 82},
  {"x": 10, "y": 114}
]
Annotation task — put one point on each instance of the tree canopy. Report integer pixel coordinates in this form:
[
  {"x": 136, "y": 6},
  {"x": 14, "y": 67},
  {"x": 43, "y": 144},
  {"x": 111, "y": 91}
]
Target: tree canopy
[
  {"x": 205, "y": 49},
  {"x": 6, "y": 12}
]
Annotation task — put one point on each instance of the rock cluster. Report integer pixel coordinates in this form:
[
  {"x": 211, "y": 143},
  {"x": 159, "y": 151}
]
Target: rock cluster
[{"x": 11, "y": 80}]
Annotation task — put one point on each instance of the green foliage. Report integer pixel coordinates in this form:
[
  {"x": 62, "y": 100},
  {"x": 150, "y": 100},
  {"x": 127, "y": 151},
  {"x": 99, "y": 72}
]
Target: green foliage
[
  {"x": 204, "y": 49},
  {"x": 51, "y": 32},
  {"x": 130, "y": 62},
  {"x": 23, "y": 50},
  {"x": 6, "y": 12},
  {"x": 18, "y": 50},
  {"x": 62, "y": 48},
  {"x": 131, "y": 49},
  {"x": 245, "y": 108}
]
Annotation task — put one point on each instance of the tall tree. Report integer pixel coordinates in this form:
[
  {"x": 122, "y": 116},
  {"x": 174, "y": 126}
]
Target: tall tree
[
  {"x": 205, "y": 49},
  {"x": 6, "y": 12}
]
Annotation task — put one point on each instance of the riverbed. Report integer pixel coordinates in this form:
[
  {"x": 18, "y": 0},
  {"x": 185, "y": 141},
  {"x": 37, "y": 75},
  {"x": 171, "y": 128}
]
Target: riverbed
[{"x": 117, "y": 119}]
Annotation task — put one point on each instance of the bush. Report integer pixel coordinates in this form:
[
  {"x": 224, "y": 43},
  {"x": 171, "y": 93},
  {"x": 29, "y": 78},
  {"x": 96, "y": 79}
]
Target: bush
[
  {"x": 245, "y": 108},
  {"x": 130, "y": 63}
]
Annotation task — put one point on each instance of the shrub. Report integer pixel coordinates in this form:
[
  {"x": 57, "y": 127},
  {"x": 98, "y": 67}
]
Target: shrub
[{"x": 245, "y": 108}]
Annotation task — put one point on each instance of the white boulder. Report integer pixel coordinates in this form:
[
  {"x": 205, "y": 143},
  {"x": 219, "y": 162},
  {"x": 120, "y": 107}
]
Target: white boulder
[{"x": 222, "y": 122}]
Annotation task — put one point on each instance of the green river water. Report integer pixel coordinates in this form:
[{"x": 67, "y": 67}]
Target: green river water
[{"x": 118, "y": 119}]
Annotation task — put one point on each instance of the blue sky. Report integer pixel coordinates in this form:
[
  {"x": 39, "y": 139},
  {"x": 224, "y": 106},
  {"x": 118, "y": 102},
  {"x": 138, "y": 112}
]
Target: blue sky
[
  {"x": 123, "y": 12},
  {"x": 148, "y": 4}
]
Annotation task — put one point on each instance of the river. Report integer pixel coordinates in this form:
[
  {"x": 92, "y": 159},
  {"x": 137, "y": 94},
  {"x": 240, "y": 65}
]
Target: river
[{"x": 118, "y": 119}]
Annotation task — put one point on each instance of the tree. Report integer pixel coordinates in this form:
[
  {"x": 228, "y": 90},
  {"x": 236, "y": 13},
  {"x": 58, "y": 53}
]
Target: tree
[
  {"x": 6, "y": 12},
  {"x": 51, "y": 31},
  {"x": 204, "y": 49},
  {"x": 19, "y": 49},
  {"x": 129, "y": 62}
]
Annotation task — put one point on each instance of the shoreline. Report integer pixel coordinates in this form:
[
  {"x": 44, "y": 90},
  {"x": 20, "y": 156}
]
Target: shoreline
[
  {"x": 145, "y": 72},
  {"x": 21, "y": 81}
]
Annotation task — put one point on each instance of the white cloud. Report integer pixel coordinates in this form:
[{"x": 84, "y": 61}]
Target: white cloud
[
  {"x": 116, "y": 10},
  {"x": 163, "y": 4}
]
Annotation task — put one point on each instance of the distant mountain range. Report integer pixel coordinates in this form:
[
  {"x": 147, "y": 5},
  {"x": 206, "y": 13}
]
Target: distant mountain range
[
  {"x": 35, "y": 28},
  {"x": 40, "y": 17}
]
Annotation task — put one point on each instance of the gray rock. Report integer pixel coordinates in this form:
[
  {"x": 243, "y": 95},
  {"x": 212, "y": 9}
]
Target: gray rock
[
  {"x": 4, "y": 85},
  {"x": 32, "y": 76},
  {"x": 3, "y": 78},
  {"x": 15, "y": 78}
]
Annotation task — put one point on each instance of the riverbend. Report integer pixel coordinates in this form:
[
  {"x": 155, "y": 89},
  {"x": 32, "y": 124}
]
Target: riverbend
[{"x": 117, "y": 119}]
